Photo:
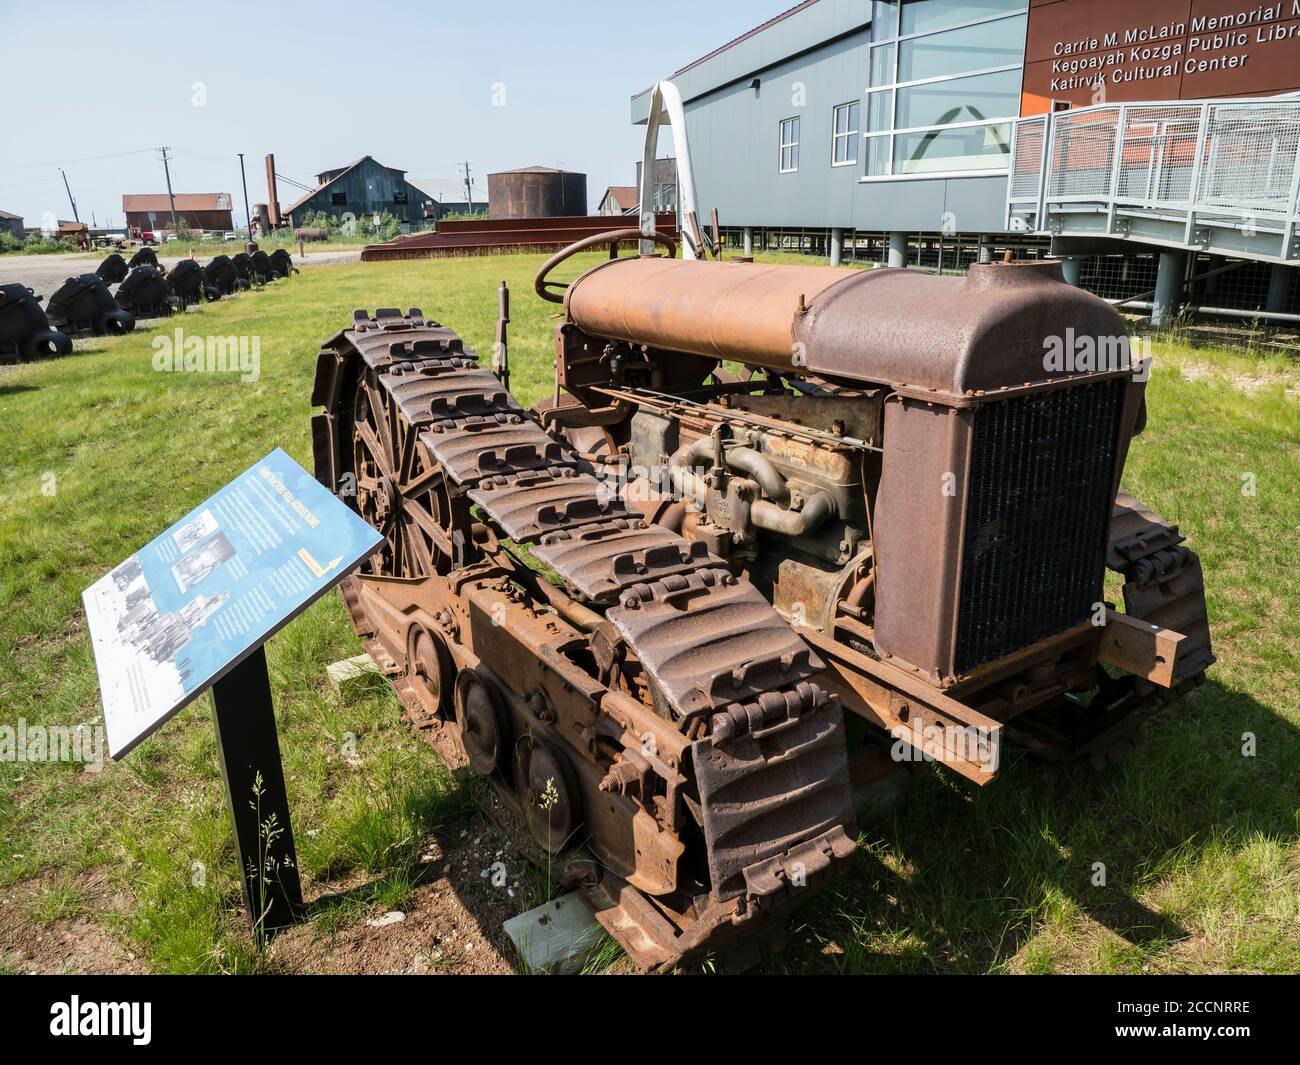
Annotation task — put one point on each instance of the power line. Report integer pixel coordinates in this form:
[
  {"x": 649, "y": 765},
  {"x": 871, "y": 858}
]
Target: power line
[
  {"x": 27, "y": 184},
  {"x": 432, "y": 169},
  {"x": 68, "y": 162},
  {"x": 291, "y": 181}
]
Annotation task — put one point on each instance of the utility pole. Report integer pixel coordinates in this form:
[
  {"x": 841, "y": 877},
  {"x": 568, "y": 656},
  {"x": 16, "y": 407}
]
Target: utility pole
[
  {"x": 171, "y": 200},
  {"x": 75, "y": 216},
  {"x": 469, "y": 193},
  {"x": 248, "y": 217}
]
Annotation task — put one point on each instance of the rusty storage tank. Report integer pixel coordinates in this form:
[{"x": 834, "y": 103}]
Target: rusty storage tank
[{"x": 536, "y": 192}]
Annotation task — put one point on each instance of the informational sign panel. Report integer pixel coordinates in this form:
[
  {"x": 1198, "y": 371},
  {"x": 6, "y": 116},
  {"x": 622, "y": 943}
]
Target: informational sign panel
[{"x": 190, "y": 605}]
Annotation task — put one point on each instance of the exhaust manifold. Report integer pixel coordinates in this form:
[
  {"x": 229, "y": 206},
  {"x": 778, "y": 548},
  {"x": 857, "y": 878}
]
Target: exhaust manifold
[{"x": 774, "y": 509}]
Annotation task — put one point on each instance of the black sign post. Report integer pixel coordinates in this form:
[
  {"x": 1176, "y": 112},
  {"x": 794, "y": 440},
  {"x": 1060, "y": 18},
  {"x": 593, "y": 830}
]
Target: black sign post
[
  {"x": 192, "y": 610},
  {"x": 244, "y": 717}
]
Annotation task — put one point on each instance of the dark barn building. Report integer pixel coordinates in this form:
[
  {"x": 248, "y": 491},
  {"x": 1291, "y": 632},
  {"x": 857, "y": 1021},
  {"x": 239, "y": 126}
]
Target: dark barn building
[
  {"x": 11, "y": 224},
  {"x": 200, "y": 210},
  {"x": 362, "y": 188}
]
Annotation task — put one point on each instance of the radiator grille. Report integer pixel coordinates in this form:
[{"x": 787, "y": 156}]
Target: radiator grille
[{"x": 1038, "y": 508}]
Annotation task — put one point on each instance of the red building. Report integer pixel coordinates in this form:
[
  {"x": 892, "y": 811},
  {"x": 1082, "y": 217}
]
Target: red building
[{"x": 200, "y": 210}]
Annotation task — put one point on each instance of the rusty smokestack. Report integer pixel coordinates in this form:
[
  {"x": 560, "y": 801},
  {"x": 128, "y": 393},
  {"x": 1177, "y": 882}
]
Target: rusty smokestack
[{"x": 273, "y": 195}]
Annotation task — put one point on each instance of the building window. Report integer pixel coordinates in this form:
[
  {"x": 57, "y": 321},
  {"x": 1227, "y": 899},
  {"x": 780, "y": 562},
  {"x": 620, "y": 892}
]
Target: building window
[
  {"x": 399, "y": 197},
  {"x": 942, "y": 103},
  {"x": 943, "y": 82},
  {"x": 338, "y": 199},
  {"x": 956, "y": 149},
  {"x": 926, "y": 16},
  {"x": 789, "y": 145},
  {"x": 984, "y": 46},
  {"x": 884, "y": 20},
  {"x": 880, "y": 111},
  {"x": 844, "y": 140},
  {"x": 877, "y": 149},
  {"x": 882, "y": 64}
]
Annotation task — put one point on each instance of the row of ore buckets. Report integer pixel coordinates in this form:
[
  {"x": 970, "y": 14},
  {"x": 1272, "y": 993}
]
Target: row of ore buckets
[{"x": 85, "y": 304}]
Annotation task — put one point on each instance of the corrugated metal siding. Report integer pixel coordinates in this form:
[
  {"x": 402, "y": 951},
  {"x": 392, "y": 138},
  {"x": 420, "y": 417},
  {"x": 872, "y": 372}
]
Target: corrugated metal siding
[
  {"x": 735, "y": 140},
  {"x": 368, "y": 188},
  {"x": 206, "y": 220},
  {"x": 805, "y": 29}
]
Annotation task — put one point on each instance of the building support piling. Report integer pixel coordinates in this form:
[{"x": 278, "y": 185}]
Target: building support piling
[
  {"x": 1281, "y": 285},
  {"x": 898, "y": 249},
  {"x": 1169, "y": 288}
]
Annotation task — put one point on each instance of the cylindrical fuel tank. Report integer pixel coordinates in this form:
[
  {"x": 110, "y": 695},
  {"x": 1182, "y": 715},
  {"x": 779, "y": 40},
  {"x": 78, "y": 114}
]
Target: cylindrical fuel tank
[
  {"x": 536, "y": 192},
  {"x": 953, "y": 335},
  {"x": 741, "y": 311}
]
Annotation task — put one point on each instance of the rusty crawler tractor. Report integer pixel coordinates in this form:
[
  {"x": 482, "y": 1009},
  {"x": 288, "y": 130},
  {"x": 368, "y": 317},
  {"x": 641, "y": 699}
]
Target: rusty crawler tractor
[
  {"x": 145, "y": 293},
  {"x": 146, "y": 256},
  {"x": 112, "y": 269},
  {"x": 222, "y": 275},
  {"x": 84, "y": 304},
  {"x": 282, "y": 263},
  {"x": 25, "y": 333},
  {"x": 248, "y": 272},
  {"x": 893, "y": 509},
  {"x": 263, "y": 265},
  {"x": 189, "y": 285}
]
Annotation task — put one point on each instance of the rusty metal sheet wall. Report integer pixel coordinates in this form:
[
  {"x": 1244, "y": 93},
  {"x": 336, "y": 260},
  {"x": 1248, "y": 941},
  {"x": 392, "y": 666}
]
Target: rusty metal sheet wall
[
  {"x": 536, "y": 194},
  {"x": 477, "y": 236}
]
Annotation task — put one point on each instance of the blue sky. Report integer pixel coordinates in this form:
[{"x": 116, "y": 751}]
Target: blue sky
[{"x": 94, "y": 87}]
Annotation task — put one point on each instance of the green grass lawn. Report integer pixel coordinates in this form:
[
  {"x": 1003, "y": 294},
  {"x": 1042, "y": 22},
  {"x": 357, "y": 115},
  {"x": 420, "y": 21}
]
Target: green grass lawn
[{"x": 1199, "y": 843}]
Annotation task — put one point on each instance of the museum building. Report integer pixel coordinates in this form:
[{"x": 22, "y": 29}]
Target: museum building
[{"x": 1133, "y": 141}]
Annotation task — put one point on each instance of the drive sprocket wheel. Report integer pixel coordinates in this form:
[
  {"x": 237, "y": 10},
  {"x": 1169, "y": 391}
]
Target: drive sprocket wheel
[{"x": 400, "y": 489}]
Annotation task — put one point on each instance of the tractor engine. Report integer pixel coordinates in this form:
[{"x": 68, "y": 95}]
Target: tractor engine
[{"x": 919, "y": 472}]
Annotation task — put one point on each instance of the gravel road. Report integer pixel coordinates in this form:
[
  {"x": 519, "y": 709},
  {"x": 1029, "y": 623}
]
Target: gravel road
[{"x": 45, "y": 273}]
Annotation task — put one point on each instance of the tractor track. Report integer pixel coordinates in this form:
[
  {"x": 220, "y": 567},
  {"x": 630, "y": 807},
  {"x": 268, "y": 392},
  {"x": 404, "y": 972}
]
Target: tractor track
[{"x": 430, "y": 437}]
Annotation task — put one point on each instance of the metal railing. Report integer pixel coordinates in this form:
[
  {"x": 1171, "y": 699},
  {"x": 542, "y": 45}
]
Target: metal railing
[{"x": 1221, "y": 174}]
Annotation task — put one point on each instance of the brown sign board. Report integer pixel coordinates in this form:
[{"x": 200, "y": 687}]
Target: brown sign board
[{"x": 1085, "y": 52}]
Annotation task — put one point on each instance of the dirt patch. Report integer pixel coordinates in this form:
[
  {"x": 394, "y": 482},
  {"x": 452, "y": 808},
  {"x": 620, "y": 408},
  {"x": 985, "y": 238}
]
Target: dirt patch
[
  {"x": 473, "y": 881},
  {"x": 1249, "y": 337},
  {"x": 1247, "y": 384},
  {"x": 77, "y": 943}
]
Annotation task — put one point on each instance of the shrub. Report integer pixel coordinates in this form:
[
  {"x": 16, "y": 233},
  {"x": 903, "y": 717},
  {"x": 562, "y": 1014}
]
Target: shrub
[{"x": 42, "y": 245}]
